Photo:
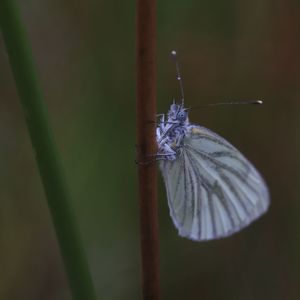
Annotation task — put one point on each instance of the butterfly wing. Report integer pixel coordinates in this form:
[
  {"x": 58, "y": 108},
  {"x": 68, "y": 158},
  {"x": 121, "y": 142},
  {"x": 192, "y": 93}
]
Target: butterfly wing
[{"x": 213, "y": 190}]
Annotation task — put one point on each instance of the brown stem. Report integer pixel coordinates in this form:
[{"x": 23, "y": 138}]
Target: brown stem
[{"x": 146, "y": 110}]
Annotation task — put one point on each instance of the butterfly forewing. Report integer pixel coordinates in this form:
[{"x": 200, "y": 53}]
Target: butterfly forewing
[{"x": 213, "y": 190}]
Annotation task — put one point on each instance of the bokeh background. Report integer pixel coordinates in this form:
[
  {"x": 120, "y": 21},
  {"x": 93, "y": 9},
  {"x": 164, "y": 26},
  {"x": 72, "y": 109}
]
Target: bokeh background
[{"x": 85, "y": 56}]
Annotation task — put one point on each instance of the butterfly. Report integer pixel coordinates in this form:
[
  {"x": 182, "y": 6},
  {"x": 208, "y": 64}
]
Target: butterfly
[{"x": 213, "y": 191}]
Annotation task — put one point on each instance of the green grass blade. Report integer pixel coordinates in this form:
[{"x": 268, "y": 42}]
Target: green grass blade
[{"x": 57, "y": 194}]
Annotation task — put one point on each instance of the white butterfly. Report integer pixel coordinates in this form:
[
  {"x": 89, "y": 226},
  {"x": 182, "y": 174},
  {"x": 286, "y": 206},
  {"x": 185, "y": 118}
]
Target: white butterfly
[{"x": 213, "y": 190}]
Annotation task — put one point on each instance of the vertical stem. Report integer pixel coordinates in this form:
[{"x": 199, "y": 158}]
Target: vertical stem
[
  {"x": 146, "y": 111},
  {"x": 51, "y": 173}
]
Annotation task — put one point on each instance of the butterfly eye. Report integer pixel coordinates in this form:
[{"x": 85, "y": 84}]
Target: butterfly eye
[{"x": 181, "y": 116}]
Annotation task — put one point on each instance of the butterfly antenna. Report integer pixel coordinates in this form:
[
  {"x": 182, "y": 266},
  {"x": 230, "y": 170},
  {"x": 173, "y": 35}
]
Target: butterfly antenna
[
  {"x": 246, "y": 102},
  {"x": 174, "y": 56}
]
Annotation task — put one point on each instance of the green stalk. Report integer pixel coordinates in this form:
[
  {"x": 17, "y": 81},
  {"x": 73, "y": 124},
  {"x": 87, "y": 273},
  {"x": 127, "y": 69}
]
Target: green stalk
[{"x": 44, "y": 147}]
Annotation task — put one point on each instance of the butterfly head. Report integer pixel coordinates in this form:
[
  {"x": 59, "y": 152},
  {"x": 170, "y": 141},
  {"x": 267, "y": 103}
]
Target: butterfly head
[{"x": 178, "y": 113}]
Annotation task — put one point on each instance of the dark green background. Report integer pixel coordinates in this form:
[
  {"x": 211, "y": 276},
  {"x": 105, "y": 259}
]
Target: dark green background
[{"x": 84, "y": 51}]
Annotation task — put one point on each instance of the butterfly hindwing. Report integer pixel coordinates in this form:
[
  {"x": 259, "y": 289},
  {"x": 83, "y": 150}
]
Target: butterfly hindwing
[{"x": 213, "y": 190}]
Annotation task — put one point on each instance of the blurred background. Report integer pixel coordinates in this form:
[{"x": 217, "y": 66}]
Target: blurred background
[{"x": 85, "y": 56}]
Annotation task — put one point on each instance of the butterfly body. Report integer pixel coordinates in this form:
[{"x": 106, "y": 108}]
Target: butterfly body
[
  {"x": 170, "y": 133},
  {"x": 213, "y": 190}
]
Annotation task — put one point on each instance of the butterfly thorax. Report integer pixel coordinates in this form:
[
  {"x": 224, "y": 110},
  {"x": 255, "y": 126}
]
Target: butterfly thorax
[{"x": 171, "y": 132}]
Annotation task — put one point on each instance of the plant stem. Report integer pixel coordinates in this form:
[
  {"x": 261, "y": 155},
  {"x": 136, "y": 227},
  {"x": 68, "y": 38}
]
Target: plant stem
[
  {"x": 35, "y": 112},
  {"x": 146, "y": 111}
]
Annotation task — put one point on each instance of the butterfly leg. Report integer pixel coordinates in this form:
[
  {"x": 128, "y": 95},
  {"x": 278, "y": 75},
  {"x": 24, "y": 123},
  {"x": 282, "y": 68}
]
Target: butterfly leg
[
  {"x": 147, "y": 161},
  {"x": 162, "y": 119},
  {"x": 152, "y": 158}
]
